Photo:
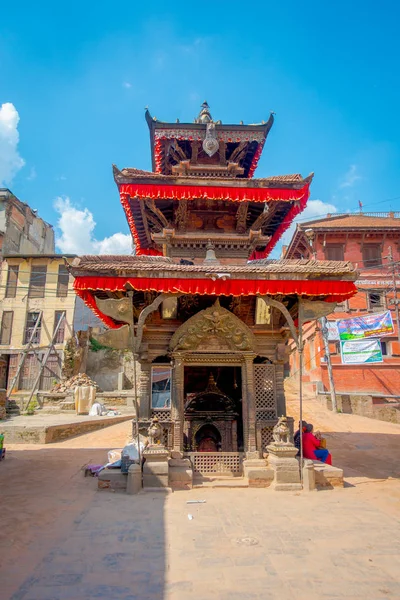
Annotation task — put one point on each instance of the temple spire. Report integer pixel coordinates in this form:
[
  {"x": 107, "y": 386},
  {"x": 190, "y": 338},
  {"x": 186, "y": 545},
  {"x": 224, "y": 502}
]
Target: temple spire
[{"x": 204, "y": 114}]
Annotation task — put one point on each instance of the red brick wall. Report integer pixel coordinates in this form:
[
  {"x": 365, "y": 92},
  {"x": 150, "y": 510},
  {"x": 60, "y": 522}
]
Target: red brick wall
[{"x": 381, "y": 378}]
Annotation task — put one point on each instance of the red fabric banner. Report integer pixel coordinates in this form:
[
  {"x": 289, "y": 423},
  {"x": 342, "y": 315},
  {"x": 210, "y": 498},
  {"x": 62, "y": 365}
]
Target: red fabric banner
[
  {"x": 191, "y": 192},
  {"x": 331, "y": 291},
  {"x": 128, "y": 193}
]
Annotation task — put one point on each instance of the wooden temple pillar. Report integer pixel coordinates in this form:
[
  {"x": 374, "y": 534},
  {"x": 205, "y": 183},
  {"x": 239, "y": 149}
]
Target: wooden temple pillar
[
  {"x": 177, "y": 408},
  {"x": 144, "y": 386},
  {"x": 249, "y": 411},
  {"x": 279, "y": 390}
]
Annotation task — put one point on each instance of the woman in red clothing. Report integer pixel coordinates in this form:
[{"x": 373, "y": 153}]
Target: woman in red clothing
[{"x": 311, "y": 447}]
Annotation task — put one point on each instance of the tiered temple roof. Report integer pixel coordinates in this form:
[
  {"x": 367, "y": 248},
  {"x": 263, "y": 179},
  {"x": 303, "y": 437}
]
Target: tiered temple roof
[
  {"x": 203, "y": 226},
  {"x": 201, "y": 188}
]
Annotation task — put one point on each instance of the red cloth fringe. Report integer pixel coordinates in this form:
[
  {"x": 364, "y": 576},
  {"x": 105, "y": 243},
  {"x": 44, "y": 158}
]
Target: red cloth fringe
[
  {"x": 332, "y": 291},
  {"x": 129, "y": 192}
]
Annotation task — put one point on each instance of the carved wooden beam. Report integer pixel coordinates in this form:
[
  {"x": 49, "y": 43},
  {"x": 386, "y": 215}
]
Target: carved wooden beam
[
  {"x": 150, "y": 203},
  {"x": 195, "y": 152},
  {"x": 241, "y": 217},
  {"x": 143, "y": 316},
  {"x": 237, "y": 151},
  {"x": 282, "y": 308},
  {"x": 145, "y": 223},
  {"x": 222, "y": 153},
  {"x": 262, "y": 219},
  {"x": 181, "y": 215}
]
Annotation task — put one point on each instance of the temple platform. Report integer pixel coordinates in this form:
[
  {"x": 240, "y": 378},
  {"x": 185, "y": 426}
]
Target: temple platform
[{"x": 46, "y": 429}]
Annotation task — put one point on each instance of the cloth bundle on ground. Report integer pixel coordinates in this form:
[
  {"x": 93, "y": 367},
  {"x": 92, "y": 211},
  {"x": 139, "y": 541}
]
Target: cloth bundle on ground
[{"x": 99, "y": 410}]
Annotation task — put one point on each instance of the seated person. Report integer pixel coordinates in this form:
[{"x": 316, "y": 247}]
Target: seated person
[
  {"x": 296, "y": 437},
  {"x": 312, "y": 446}
]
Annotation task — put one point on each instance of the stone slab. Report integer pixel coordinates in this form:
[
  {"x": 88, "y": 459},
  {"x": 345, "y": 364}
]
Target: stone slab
[
  {"x": 327, "y": 476},
  {"x": 112, "y": 479},
  {"x": 47, "y": 429}
]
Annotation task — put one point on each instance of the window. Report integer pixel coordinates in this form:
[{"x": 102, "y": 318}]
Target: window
[
  {"x": 375, "y": 300},
  {"x": 334, "y": 252},
  {"x": 385, "y": 348},
  {"x": 6, "y": 327},
  {"x": 37, "y": 281},
  {"x": 342, "y": 306},
  {"x": 161, "y": 387},
  {"x": 62, "y": 282},
  {"x": 31, "y": 320},
  {"x": 61, "y": 330},
  {"x": 12, "y": 281},
  {"x": 372, "y": 255}
]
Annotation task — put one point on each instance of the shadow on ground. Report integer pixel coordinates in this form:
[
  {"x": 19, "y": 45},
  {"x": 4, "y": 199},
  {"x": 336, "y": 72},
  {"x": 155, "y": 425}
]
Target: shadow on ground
[{"x": 76, "y": 542}]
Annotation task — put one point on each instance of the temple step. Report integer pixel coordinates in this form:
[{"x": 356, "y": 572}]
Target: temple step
[{"x": 220, "y": 482}]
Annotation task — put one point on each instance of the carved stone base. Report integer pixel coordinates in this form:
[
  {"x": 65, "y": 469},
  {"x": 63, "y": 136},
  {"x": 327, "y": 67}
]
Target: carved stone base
[
  {"x": 258, "y": 473},
  {"x": 180, "y": 474},
  {"x": 155, "y": 468},
  {"x": 281, "y": 458}
]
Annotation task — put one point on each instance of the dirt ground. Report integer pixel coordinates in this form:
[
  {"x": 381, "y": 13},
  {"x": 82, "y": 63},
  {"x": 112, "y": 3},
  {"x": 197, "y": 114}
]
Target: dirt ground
[{"x": 45, "y": 499}]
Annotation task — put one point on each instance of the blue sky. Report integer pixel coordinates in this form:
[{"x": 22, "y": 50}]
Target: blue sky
[{"x": 80, "y": 74}]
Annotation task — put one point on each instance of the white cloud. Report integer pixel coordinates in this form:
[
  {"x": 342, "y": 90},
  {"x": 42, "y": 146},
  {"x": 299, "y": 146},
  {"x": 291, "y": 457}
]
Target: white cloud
[
  {"x": 350, "y": 177},
  {"x": 313, "y": 210},
  {"x": 127, "y": 85},
  {"x": 77, "y": 227},
  {"x": 10, "y": 160},
  {"x": 32, "y": 174}
]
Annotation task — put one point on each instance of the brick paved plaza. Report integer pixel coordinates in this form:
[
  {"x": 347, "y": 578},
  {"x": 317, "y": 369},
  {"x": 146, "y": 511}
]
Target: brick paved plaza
[{"x": 61, "y": 539}]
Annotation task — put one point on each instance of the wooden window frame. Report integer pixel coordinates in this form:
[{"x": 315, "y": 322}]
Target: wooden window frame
[
  {"x": 2, "y": 342},
  {"x": 37, "y": 289},
  {"x": 11, "y": 288},
  {"x": 369, "y": 262},
  {"x": 62, "y": 286},
  {"x": 60, "y": 337},
  {"x": 334, "y": 246},
  {"x": 376, "y": 307},
  {"x": 28, "y": 330}
]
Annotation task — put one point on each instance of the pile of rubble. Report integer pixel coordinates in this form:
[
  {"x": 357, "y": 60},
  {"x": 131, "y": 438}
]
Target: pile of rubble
[{"x": 68, "y": 385}]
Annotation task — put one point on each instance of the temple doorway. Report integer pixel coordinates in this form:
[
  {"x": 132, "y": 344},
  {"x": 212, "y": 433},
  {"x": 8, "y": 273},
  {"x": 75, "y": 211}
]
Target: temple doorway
[
  {"x": 213, "y": 409},
  {"x": 208, "y": 439}
]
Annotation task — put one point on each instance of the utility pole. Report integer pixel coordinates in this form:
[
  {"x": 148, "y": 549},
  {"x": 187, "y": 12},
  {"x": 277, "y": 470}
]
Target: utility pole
[
  {"x": 396, "y": 300},
  {"x": 324, "y": 329}
]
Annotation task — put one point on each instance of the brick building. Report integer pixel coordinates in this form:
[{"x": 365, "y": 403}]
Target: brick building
[
  {"x": 22, "y": 231},
  {"x": 372, "y": 242}
]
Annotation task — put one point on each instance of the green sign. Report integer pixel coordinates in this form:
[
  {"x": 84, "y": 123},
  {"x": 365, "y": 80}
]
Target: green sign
[{"x": 359, "y": 352}]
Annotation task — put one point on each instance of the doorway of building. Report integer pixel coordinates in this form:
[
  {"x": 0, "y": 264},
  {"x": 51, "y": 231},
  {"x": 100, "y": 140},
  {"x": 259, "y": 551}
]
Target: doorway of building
[{"x": 213, "y": 409}]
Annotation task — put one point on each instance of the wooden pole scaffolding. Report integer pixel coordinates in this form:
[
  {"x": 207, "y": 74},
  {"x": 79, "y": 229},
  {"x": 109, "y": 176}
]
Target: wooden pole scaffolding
[
  {"x": 45, "y": 359},
  {"x": 24, "y": 354}
]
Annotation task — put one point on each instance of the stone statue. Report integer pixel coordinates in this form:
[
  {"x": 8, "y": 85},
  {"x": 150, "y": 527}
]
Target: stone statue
[
  {"x": 154, "y": 432},
  {"x": 280, "y": 432}
]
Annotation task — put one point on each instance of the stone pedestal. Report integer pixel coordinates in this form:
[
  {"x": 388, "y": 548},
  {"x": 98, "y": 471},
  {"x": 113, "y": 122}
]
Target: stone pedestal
[
  {"x": 134, "y": 484},
  {"x": 180, "y": 473},
  {"x": 257, "y": 472},
  {"x": 155, "y": 468},
  {"x": 281, "y": 458},
  {"x": 308, "y": 476}
]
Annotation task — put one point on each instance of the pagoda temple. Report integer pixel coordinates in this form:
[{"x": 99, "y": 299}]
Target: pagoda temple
[{"x": 204, "y": 309}]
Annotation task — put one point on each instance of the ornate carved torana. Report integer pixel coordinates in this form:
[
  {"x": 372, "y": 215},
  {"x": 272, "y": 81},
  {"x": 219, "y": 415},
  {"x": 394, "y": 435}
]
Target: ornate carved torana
[{"x": 213, "y": 329}]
